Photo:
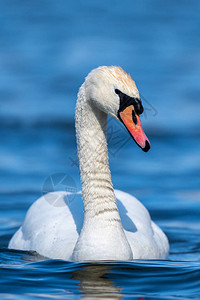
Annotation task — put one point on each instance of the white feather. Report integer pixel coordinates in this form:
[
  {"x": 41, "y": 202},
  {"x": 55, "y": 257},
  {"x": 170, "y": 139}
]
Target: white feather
[
  {"x": 100, "y": 223},
  {"x": 52, "y": 230}
]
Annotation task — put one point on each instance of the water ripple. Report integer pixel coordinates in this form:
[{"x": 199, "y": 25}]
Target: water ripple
[{"x": 32, "y": 275}]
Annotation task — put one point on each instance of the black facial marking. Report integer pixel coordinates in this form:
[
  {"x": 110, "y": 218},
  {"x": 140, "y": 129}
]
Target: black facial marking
[{"x": 126, "y": 101}]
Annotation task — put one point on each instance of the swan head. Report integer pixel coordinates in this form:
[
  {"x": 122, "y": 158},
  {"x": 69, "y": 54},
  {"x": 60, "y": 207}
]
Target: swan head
[{"x": 114, "y": 92}]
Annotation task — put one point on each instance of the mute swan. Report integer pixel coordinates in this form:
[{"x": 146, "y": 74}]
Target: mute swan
[{"x": 114, "y": 225}]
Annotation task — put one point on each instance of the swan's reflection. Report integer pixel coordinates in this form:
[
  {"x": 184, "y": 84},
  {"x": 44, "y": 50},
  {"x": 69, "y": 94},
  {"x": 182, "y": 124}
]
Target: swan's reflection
[{"x": 94, "y": 282}]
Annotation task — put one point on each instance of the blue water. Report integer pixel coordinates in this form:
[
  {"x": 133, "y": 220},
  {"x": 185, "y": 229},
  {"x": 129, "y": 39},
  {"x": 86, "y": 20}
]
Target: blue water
[{"x": 46, "y": 49}]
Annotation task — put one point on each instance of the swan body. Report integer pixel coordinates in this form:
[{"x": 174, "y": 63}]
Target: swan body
[
  {"x": 100, "y": 223},
  {"x": 59, "y": 227}
]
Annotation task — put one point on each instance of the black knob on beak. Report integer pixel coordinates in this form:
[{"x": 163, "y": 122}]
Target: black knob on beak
[{"x": 138, "y": 106}]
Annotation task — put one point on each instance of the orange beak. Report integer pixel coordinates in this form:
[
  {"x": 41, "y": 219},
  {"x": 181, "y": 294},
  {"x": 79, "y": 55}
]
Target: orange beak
[{"x": 132, "y": 122}]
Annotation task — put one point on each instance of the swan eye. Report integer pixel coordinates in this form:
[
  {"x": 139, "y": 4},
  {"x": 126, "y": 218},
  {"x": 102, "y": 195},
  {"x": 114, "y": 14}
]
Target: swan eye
[{"x": 117, "y": 91}]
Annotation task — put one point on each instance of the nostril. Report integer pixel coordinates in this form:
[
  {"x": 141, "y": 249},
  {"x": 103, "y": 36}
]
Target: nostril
[{"x": 134, "y": 117}]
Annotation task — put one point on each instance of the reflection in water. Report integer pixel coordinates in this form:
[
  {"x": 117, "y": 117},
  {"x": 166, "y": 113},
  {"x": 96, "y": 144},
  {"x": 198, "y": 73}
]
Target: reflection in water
[{"x": 94, "y": 283}]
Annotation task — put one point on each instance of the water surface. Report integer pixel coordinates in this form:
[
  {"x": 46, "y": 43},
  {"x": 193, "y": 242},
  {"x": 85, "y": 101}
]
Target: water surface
[{"x": 46, "y": 50}]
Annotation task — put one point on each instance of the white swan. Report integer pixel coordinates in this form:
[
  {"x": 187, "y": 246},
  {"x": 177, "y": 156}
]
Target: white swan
[{"x": 108, "y": 229}]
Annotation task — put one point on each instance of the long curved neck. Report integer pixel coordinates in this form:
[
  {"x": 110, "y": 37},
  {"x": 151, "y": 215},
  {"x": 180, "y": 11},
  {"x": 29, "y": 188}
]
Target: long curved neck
[
  {"x": 102, "y": 236},
  {"x": 97, "y": 190}
]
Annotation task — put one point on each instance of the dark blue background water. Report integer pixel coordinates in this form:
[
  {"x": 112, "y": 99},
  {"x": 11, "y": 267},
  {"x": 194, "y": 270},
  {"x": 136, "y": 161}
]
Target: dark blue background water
[{"x": 46, "y": 49}]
